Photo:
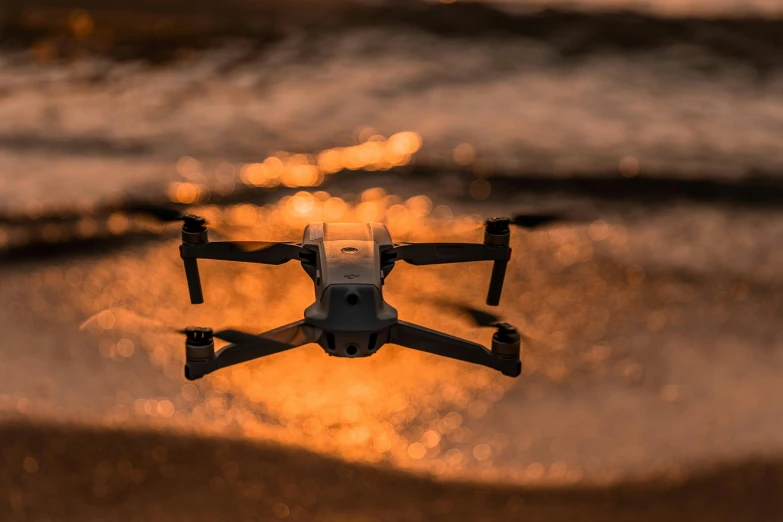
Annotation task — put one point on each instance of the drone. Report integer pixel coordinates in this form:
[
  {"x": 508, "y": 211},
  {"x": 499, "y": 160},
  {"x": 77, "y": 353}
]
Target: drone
[{"x": 348, "y": 264}]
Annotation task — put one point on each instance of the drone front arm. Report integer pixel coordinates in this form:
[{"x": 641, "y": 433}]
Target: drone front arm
[
  {"x": 442, "y": 253},
  {"x": 431, "y": 341},
  {"x": 246, "y": 347},
  {"x": 242, "y": 251},
  {"x": 247, "y": 252}
]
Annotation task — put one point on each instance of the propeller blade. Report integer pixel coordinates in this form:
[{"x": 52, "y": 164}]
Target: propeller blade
[
  {"x": 255, "y": 246},
  {"x": 477, "y": 317},
  {"x": 486, "y": 319},
  {"x": 171, "y": 329},
  {"x": 533, "y": 221},
  {"x": 242, "y": 340},
  {"x": 167, "y": 214},
  {"x": 236, "y": 337},
  {"x": 125, "y": 319},
  {"x": 480, "y": 317},
  {"x": 160, "y": 212}
]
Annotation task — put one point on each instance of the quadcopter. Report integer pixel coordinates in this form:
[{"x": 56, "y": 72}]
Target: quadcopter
[{"x": 348, "y": 264}]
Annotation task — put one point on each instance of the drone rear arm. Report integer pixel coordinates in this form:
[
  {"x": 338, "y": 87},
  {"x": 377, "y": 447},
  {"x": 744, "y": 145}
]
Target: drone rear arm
[{"x": 431, "y": 341}]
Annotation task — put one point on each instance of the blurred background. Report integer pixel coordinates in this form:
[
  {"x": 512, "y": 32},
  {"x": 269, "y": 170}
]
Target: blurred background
[{"x": 651, "y": 383}]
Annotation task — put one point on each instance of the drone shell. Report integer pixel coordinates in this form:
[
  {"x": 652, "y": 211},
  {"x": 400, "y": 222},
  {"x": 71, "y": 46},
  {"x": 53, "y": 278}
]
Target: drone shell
[{"x": 349, "y": 289}]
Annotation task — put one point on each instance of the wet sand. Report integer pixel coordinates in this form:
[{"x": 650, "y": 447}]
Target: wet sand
[{"x": 54, "y": 472}]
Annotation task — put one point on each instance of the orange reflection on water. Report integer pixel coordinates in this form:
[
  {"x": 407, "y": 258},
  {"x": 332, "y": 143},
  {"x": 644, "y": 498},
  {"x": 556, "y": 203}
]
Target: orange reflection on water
[
  {"x": 370, "y": 409},
  {"x": 399, "y": 406},
  {"x": 301, "y": 170}
]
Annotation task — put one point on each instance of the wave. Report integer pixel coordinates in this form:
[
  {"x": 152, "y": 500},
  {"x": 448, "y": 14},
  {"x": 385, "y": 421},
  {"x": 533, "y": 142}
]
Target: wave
[
  {"x": 29, "y": 238},
  {"x": 563, "y": 101},
  {"x": 162, "y": 30}
]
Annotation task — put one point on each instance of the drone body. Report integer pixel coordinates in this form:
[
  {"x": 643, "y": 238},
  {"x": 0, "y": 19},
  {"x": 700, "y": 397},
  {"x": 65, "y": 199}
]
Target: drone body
[
  {"x": 349, "y": 305},
  {"x": 348, "y": 263}
]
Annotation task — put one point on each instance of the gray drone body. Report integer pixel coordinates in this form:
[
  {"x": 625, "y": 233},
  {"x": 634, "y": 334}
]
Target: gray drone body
[
  {"x": 349, "y": 304},
  {"x": 348, "y": 263}
]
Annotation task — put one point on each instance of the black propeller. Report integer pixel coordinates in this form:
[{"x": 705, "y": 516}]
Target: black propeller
[
  {"x": 483, "y": 319},
  {"x": 192, "y": 224},
  {"x": 196, "y": 224},
  {"x": 500, "y": 225},
  {"x": 229, "y": 335},
  {"x": 163, "y": 213},
  {"x": 127, "y": 318},
  {"x": 533, "y": 221},
  {"x": 479, "y": 317},
  {"x": 255, "y": 246}
]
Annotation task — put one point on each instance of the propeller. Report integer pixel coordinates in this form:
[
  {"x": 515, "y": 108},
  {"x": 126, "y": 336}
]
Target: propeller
[
  {"x": 229, "y": 335},
  {"x": 500, "y": 225},
  {"x": 255, "y": 246},
  {"x": 533, "y": 221},
  {"x": 483, "y": 319},
  {"x": 164, "y": 213},
  {"x": 195, "y": 224},
  {"x": 170, "y": 214},
  {"x": 126, "y": 319},
  {"x": 479, "y": 318}
]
